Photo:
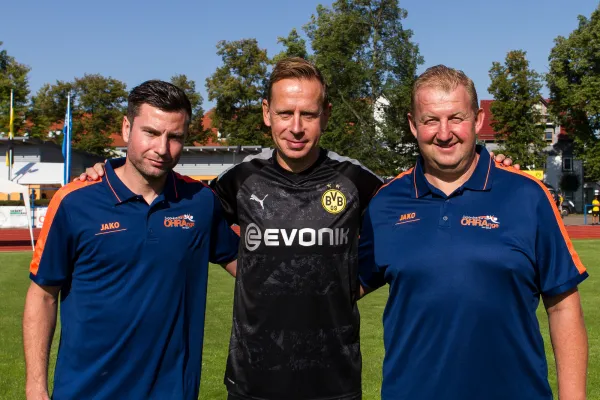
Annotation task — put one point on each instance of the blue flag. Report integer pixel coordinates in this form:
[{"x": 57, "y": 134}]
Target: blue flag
[{"x": 66, "y": 146}]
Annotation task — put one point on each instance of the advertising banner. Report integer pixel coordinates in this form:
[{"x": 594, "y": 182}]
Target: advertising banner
[
  {"x": 13, "y": 217},
  {"x": 39, "y": 213}
]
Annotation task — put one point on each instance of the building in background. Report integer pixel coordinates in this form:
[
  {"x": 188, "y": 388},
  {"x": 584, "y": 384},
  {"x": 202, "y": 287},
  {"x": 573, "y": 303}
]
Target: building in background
[
  {"x": 39, "y": 165},
  {"x": 560, "y": 163}
]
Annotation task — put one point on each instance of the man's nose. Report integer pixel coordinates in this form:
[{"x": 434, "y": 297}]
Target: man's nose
[
  {"x": 162, "y": 145},
  {"x": 445, "y": 132},
  {"x": 296, "y": 124}
]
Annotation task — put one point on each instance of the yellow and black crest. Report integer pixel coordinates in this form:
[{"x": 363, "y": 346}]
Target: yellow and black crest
[{"x": 333, "y": 200}]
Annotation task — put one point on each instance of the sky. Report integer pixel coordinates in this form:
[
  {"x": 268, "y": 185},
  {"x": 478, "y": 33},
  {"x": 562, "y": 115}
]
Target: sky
[{"x": 134, "y": 40}]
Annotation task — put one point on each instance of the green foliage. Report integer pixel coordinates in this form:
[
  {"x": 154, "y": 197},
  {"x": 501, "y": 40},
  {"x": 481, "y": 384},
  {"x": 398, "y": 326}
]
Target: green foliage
[
  {"x": 574, "y": 83},
  {"x": 569, "y": 182},
  {"x": 48, "y": 107},
  {"x": 515, "y": 114},
  {"x": 97, "y": 112},
  {"x": 589, "y": 151},
  {"x": 237, "y": 86},
  {"x": 97, "y": 105},
  {"x": 13, "y": 75},
  {"x": 294, "y": 46},
  {"x": 369, "y": 62},
  {"x": 197, "y": 133}
]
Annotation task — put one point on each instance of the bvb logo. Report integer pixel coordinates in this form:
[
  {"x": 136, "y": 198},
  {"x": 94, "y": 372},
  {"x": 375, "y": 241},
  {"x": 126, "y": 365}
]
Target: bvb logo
[{"x": 333, "y": 200}]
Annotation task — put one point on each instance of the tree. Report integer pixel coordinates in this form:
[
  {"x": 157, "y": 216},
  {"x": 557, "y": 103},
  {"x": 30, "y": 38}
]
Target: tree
[
  {"x": 237, "y": 86},
  {"x": 294, "y": 46},
  {"x": 48, "y": 107},
  {"x": 569, "y": 182},
  {"x": 369, "y": 62},
  {"x": 197, "y": 132},
  {"x": 515, "y": 114},
  {"x": 13, "y": 75},
  {"x": 98, "y": 109},
  {"x": 574, "y": 83}
]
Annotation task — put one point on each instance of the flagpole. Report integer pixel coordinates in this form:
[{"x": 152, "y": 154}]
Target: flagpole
[
  {"x": 11, "y": 156},
  {"x": 66, "y": 148}
]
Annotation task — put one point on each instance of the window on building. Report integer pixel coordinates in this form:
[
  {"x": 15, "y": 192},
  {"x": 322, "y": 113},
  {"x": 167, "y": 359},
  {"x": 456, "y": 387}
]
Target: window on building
[
  {"x": 567, "y": 164},
  {"x": 548, "y": 135}
]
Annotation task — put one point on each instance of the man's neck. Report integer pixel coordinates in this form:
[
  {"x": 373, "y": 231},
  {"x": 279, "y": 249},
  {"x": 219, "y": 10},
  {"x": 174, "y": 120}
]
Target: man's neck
[
  {"x": 298, "y": 165},
  {"x": 448, "y": 182},
  {"x": 148, "y": 189}
]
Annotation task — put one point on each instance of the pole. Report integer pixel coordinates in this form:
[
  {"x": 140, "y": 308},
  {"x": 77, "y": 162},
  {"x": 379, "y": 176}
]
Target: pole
[
  {"x": 67, "y": 133},
  {"x": 11, "y": 155}
]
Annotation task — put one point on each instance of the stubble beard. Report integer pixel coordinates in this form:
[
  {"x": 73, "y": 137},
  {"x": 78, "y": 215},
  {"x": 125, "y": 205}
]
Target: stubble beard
[{"x": 143, "y": 171}]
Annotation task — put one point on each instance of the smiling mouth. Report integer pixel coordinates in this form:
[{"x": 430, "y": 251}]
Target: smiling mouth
[
  {"x": 159, "y": 163},
  {"x": 296, "y": 144},
  {"x": 446, "y": 146}
]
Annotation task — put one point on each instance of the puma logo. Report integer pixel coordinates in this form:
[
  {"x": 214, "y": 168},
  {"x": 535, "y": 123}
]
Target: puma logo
[{"x": 253, "y": 197}]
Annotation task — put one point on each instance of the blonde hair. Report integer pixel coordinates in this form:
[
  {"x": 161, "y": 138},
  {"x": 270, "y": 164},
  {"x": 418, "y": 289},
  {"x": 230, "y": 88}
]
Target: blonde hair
[
  {"x": 296, "y": 68},
  {"x": 447, "y": 79}
]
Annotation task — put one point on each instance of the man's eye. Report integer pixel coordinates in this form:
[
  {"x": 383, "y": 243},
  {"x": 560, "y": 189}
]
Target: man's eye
[
  {"x": 309, "y": 117},
  {"x": 285, "y": 116},
  {"x": 457, "y": 120}
]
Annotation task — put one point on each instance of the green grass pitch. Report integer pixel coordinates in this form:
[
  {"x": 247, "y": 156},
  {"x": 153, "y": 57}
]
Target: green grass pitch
[{"x": 14, "y": 281}]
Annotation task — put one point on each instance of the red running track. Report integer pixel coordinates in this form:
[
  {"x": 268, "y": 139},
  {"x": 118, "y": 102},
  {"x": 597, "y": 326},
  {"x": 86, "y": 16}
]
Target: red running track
[{"x": 18, "y": 239}]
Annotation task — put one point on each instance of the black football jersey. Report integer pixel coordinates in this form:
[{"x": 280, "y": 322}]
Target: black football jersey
[{"x": 295, "y": 332}]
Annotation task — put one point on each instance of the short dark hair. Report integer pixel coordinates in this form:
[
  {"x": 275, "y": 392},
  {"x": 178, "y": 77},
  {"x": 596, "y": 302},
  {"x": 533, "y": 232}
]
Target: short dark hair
[
  {"x": 296, "y": 68},
  {"x": 162, "y": 95}
]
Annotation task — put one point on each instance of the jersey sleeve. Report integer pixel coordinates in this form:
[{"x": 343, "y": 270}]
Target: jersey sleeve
[
  {"x": 225, "y": 186},
  {"x": 370, "y": 274},
  {"x": 558, "y": 265},
  {"x": 53, "y": 256},
  {"x": 224, "y": 241},
  {"x": 368, "y": 184}
]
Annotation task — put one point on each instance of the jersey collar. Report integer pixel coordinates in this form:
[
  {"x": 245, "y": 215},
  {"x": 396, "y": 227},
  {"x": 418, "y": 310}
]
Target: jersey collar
[
  {"x": 299, "y": 175},
  {"x": 480, "y": 180},
  {"x": 123, "y": 194}
]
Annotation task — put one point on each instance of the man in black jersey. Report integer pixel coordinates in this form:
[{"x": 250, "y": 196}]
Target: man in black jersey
[{"x": 295, "y": 333}]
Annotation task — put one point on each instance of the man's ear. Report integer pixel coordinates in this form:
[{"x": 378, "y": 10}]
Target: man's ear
[
  {"x": 265, "y": 110},
  {"x": 479, "y": 117},
  {"x": 125, "y": 129},
  {"x": 412, "y": 124}
]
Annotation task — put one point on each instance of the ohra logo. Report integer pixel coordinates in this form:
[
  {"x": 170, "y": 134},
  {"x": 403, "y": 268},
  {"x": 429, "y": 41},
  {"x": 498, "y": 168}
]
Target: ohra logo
[
  {"x": 333, "y": 200},
  {"x": 185, "y": 221},
  {"x": 485, "y": 222}
]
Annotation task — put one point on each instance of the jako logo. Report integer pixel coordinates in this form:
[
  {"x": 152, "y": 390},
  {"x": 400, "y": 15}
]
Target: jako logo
[
  {"x": 485, "y": 222},
  {"x": 304, "y": 237},
  {"x": 109, "y": 226},
  {"x": 409, "y": 217},
  {"x": 185, "y": 221}
]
